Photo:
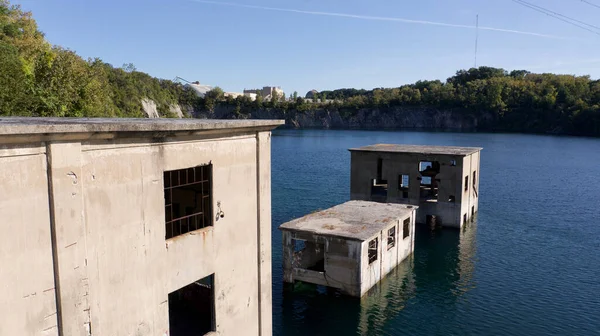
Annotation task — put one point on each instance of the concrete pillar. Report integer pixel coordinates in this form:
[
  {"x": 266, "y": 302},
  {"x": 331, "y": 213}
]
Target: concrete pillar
[
  {"x": 66, "y": 201},
  {"x": 263, "y": 162}
]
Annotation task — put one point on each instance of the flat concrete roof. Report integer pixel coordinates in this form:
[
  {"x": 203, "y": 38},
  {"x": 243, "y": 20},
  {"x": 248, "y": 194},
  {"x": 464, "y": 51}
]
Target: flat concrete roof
[
  {"x": 417, "y": 149},
  {"x": 358, "y": 220},
  {"x": 23, "y": 126}
]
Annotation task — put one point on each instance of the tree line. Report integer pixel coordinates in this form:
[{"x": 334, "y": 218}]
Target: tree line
[{"x": 38, "y": 79}]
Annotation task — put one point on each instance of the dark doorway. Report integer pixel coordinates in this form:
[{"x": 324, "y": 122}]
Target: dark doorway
[{"x": 192, "y": 309}]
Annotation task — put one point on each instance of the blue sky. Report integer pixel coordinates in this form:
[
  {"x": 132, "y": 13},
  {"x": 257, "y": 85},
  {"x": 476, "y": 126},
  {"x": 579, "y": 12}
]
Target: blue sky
[{"x": 244, "y": 44}]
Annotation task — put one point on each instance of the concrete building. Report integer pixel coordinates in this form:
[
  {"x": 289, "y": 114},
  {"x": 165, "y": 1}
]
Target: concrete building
[
  {"x": 350, "y": 247},
  {"x": 267, "y": 92},
  {"x": 442, "y": 181},
  {"x": 135, "y": 227},
  {"x": 199, "y": 89}
]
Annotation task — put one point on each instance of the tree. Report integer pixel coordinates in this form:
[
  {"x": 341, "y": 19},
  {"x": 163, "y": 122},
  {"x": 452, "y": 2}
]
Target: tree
[
  {"x": 129, "y": 67},
  {"x": 295, "y": 95}
]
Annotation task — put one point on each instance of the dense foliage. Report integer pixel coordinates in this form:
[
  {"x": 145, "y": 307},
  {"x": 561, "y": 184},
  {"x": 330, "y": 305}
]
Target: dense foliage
[{"x": 37, "y": 79}]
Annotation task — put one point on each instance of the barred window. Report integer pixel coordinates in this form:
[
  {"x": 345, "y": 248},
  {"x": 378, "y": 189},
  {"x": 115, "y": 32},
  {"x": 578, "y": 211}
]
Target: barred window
[
  {"x": 373, "y": 251},
  {"x": 188, "y": 200},
  {"x": 391, "y": 237}
]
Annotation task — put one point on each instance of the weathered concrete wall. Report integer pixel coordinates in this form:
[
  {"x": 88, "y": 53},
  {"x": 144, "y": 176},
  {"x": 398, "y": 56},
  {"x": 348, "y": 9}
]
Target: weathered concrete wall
[
  {"x": 388, "y": 258},
  {"x": 451, "y": 183},
  {"x": 114, "y": 268},
  {"x": 27, "y": 293}
]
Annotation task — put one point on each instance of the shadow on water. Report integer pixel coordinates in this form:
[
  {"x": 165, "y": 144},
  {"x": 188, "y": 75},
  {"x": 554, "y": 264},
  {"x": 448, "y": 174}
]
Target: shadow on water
[{"x": 440, "y": 271}]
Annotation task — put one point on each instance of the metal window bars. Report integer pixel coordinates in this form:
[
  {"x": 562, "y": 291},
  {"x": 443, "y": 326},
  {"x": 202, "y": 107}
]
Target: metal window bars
[
  {"x": 373, "y": 251},
  {"x": 188, "y": 200}
]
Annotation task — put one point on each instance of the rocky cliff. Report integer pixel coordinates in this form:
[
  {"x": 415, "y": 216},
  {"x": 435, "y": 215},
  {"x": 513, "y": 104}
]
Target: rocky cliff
[{"x": 366, "y": 118}]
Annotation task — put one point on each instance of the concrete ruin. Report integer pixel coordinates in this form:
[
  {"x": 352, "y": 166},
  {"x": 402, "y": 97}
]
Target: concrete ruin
[
  {"x": 135, "y": 226},
  {"x": 442, "y": 181},
  {"x": 350, "y": 247}
]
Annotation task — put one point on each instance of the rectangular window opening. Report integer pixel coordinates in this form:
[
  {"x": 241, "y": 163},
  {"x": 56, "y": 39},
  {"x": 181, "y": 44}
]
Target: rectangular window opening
[
  {"x": 391, "y": 238},
  {"x": 406, "y": 228},
  {"x": 466, "y": 183},
  {"x": 453, "y": 163},
  {"x": 451, "y": 198},
  {"x": 465, "y": 219},
  {"x": 373, "y": 251},
  {"x": 428, "y": 171},
  {"x": 192, "y": 308},
  {"x": 188, "y": 200},
  {"x": 474, "y": 178},
  {"x": 472, "y": 213},
  {"x": 308, "y": 255},
  {"x": 403, "y": 182}
]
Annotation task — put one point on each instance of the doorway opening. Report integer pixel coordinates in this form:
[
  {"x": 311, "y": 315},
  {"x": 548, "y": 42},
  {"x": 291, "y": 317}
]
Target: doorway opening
[{"x": 192, "y": 309}]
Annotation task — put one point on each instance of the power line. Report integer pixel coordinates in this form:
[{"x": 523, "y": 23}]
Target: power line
[
  {"x": 558, "y": 16},
  {"x": 555, "y": 13},
  {"x": 589, "y": 3}
]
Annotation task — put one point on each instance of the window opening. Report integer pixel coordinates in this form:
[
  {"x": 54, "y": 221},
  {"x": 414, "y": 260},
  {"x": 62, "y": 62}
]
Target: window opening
[
  {"x": 451, "y": 198},
  {"x": 466, "y": 183},
  {"x": 188, "y": 200},
  {"x": 429, "y": 184},
  {"x": 391, "y": 242},
  {"x": 192, "y": 308},
  {"x": 403, "y": 182},
  {"x": 406, "y": 228},
  {"x": 373, "y": 250},
  {"x": 379, "y": 186},
  {"x": 308, "y": 255}
]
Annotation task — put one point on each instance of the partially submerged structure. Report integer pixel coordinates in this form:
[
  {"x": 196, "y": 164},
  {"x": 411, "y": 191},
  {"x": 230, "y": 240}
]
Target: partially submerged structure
[
  {"x": 350, "y": 247},
  {"x": 135, "y": 226},
  {"x": 442, "y": 181}
]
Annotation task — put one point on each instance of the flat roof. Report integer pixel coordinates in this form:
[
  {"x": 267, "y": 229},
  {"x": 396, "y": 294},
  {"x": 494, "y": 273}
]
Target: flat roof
[
  {"x": 26, "y": 125},
  {"x": 359, "y": 220},
  {"x": 418, "y": 149}
]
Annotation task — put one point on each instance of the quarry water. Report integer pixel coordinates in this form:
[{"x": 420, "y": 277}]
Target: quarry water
[{"x": 529, "y": 265}]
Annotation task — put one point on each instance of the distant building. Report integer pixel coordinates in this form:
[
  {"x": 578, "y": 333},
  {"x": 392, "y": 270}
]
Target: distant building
[
  {"x": 200, "y": 89},
  {"x": 441, "y": 180},
  {"x": 267, "y": 92},
  {"x": 135, "y": 226}
]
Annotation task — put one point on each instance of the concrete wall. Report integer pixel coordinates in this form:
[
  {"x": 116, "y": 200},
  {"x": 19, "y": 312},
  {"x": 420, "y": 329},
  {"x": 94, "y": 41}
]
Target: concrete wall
[
  {"x": 27, "y": 292},
  {"x": 346, "y": 261},
  {"x": 114, "y": 268},
  {"x": 342, "y": 256},
  {"x": 451, "y": 183},
  {"x": 387, "y": 259}
]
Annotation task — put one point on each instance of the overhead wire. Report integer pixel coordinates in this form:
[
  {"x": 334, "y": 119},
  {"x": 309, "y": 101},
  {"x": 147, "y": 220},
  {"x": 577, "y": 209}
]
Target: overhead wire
[
  {"x": 590, "y": 3},
  {"x": 558, "y": 16}
]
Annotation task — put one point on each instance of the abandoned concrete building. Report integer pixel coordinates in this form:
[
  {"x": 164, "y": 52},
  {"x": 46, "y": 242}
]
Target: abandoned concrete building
[
  {"x": 350, "y": 247},
  {"x": 442, "y": 181},
  {"x": 135, "y": 227}
]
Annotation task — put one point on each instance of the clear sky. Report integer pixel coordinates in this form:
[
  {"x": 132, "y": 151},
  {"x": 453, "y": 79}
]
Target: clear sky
[{"x": 304, "y": 44}]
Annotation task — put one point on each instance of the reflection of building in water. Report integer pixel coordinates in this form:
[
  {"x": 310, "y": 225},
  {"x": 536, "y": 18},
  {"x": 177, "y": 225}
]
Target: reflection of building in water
[
  {"x": 467, "y": 249},
  {"x": 388, "y": 297}
]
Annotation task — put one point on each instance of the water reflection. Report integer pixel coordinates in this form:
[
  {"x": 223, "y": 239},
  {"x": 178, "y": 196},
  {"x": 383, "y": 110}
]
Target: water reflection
[{"x": 387, "y": 298}]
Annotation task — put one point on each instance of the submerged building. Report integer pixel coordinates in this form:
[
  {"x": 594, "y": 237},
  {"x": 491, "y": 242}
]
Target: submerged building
[
  {"x": 442, "y": 181},
  {"x": 350, "y": 247},
  {"x": 135, "y": 227}
]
